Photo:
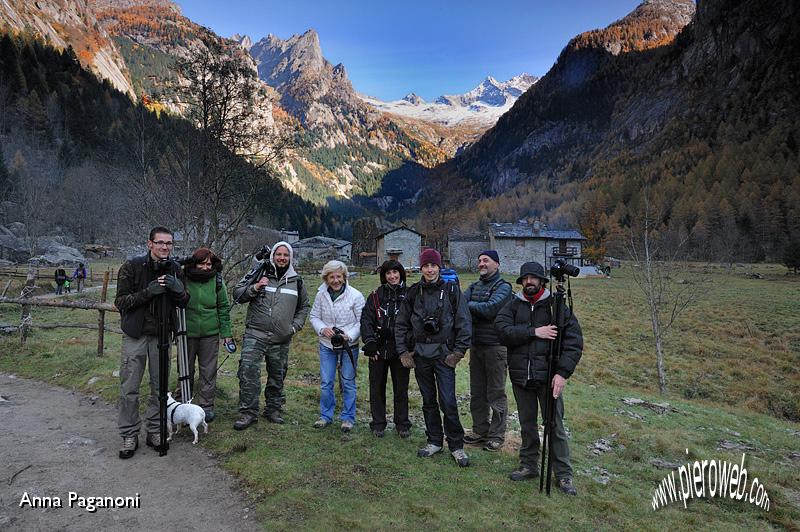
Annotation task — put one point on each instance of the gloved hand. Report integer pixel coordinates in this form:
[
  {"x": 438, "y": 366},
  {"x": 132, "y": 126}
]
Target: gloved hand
[
  {"x": 154, "y": 288},
  {"x": 453, "y": 358},
  {"x": 173, "y": 283},
  {"x": 371, "y": 348},
  {"x": 407, "y": 360}
]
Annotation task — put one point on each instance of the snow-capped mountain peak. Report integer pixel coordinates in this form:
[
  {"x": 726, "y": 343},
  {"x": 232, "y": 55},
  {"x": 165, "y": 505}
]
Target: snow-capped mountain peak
[{"x": 483, "y": 105}]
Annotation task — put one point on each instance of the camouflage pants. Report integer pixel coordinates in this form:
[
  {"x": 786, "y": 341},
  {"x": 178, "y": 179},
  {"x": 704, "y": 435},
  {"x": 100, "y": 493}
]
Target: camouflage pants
[{"x": 277, "y": 362}]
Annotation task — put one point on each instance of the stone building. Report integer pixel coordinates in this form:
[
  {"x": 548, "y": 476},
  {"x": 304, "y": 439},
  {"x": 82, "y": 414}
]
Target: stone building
[
  {"x": 463, "y": 249},
  {"x": 402, "y": 244},
  {"x": 322, "y": 249},
  {"x": 517, "y": 243}
]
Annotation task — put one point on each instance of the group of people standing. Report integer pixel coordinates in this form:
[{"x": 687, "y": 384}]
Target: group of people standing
[
  {"x": 64, "y": 282},
  {"x": 428, "y": 327}
]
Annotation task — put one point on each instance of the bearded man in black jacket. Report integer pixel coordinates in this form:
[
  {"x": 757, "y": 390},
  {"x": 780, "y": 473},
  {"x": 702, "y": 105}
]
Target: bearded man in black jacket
[
  {"x": 525, "y": 327},
  {"x": 377, "y": 331}
]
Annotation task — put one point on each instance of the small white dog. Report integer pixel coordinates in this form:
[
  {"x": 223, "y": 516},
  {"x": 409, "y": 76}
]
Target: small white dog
[{"x": 185, "y": 413}]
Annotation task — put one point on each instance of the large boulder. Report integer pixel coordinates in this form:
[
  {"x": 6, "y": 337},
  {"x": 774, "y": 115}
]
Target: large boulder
[{"x": 51, "y": 252}]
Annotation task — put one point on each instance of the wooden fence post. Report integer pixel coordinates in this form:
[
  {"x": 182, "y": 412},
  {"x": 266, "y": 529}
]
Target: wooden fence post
[
  {"x": 27, "y": 292},
  {"x": 101, "y": 321}
]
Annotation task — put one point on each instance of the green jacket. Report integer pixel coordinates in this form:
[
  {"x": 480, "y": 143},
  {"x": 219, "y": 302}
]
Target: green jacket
[{"x": 208, "y": 311}]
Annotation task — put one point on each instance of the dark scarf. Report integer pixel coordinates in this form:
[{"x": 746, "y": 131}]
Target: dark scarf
[{"x": 200, "y": 276}]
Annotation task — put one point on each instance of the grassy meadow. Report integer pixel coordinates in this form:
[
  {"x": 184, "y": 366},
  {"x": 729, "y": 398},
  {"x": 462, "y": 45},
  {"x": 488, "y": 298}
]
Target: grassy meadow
[{"x": 734, "y": 386}]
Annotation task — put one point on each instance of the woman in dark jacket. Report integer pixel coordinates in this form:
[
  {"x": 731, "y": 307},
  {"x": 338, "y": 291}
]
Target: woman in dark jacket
[{"x": 377, "y": 331}]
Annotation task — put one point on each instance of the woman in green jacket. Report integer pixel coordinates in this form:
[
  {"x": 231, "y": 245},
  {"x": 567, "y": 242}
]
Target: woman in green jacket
[{"x": 207, "y": 319}]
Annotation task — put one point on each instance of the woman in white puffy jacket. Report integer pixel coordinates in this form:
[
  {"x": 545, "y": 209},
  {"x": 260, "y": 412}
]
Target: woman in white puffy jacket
[{"x": 337, "y": 306}]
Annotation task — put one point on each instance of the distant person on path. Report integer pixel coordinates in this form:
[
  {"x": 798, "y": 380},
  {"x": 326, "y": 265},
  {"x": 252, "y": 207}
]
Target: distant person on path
[
  {"x": 487, "y": 357},
  {"x": 525, "y": 327},
  {"x": 432, "y": 333},
  {"x": 207, "y": 319},
  {"x": 67, "y": 286},
  {"x": 61, "y": 277},
  {"x": 277, "y": 311},
  {"x": 336, "y": 318},
  {"x": 79, "y": 275},
  {"x": 377, "y": 331},
  {"x": 139, "y": 281}
]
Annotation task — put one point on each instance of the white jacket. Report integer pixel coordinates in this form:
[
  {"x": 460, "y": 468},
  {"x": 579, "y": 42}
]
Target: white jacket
[{"x": 344, "y": 313}]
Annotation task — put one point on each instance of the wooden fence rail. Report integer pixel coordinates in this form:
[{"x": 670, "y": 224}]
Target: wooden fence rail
[{"x": 26, "y": 301}]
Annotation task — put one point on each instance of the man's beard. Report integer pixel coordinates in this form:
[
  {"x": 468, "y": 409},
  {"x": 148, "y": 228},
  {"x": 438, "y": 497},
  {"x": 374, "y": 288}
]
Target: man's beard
[{"x": 531, "y": 290}]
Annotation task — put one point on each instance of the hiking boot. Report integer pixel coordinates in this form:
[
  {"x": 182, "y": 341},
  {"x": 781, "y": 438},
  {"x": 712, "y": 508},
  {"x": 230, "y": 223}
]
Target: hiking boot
[
  {"x": 404, "y": 433},
  {"x": 153, "y": 440},
  {"x": 321, "y": 423},
  {"x": 244, "y": 421},
  {"x": 565, "y": 485},
  {"x": 460, "y": 457},
  {"x": 209, "y": 415},
  {"x": 493, "y": 446},
  {"x": 377, "y": 433},
  {"x": 474, "y": 439},
  {"x": 429, "y": 450},
  {"x": 274, "y": 417},
  {"x": 523, "y": 473},
  {"x": 129, "y": 446},
  {"x": 347, "y": 426}
]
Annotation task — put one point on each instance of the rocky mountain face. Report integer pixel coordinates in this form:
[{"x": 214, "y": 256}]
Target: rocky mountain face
[
  {"x": 346, "y": 145},
  {"x": 571, "y": 108},
  {"x": 70, "y": 23},
  {"x": 478, "y": 108},
  {"x": 699, "y": 112}
]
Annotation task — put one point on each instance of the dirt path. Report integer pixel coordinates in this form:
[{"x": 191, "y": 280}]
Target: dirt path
[{"x": 53, "y": 441}]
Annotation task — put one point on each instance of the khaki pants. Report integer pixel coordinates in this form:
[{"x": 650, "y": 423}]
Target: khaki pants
[
  {"x": 136, "y": 354},
  {"x": 487, "y": 385}
]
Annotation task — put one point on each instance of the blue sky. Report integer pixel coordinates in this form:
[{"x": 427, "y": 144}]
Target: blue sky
[{"x": 437, "y": 47}]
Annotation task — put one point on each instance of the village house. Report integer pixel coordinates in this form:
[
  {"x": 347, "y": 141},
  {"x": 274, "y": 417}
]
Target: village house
[
  {"x": 402, "y": 244},
  {"x": 321, "y": 248},
  {"x": 517, "y": 243}
]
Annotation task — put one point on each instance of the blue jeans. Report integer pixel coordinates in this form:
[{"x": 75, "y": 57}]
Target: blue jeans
[{"x": 329, "y": 360}]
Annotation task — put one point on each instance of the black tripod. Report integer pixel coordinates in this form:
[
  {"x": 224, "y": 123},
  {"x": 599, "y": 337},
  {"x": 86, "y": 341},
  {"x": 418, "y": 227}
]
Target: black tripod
[
  {"x": 162, "y": 305},
  {"x": 559, "y": 319}
]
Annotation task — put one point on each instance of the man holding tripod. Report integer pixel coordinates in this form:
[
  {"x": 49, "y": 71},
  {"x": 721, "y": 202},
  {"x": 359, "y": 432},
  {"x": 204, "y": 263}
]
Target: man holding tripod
[
  {"x": 525, "y": 327},
  {"x": 140, "y": 281}
]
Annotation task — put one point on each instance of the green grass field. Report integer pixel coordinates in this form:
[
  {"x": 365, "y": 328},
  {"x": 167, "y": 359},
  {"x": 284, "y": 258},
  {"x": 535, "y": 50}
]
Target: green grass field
[{"x": 732, "y": 369}]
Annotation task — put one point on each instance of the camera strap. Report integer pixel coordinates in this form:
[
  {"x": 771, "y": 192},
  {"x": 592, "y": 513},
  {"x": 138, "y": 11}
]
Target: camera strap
[{"x": 341, "y": 351}]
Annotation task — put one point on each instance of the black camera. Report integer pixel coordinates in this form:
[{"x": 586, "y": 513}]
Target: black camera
[
  {"x": 337, "y": 340},
  {"x": 431, "y": 325},
  {"x": 559, "y": 269},
  {"x": 165, "y": 267}
]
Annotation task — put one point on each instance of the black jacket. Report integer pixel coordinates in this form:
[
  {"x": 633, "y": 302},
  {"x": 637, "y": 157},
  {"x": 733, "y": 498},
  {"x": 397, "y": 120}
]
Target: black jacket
[
  {"x": 485, "y": 298},
  {"x": 378, "y": 321},
  {"x": 528, "y": 355},
  {"x": 424, "y": 300},
  {"x": 135, "y": 304}
]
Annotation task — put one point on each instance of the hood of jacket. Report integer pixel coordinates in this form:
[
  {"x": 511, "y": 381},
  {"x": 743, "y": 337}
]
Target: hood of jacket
[
  {"x": 290, "y": 272},
  {"x": 392, "y": 265}
]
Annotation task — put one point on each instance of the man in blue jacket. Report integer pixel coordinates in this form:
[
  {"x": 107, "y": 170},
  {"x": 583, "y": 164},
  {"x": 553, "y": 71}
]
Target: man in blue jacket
[{"x": 487, "y": 357}]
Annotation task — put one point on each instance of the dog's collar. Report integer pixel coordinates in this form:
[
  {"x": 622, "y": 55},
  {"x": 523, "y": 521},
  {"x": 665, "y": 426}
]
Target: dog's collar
[{"x": 176, "y": 404}]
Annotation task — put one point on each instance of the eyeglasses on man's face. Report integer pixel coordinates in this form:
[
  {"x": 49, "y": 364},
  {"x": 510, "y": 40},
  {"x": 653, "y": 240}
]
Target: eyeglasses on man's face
[{"x": 163, "y": 243}]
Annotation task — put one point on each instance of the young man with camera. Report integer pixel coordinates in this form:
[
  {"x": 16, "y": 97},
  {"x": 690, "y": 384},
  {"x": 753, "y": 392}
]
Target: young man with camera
[
  {"x": 487, "y": 357},
  {"x": 433, "y": 332},
  {"x": 140, "y": 281},
  {"x": 377, "y": 332},
  {"x": 525, "y": 328},
  {"x": 277, "y": 311}
]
